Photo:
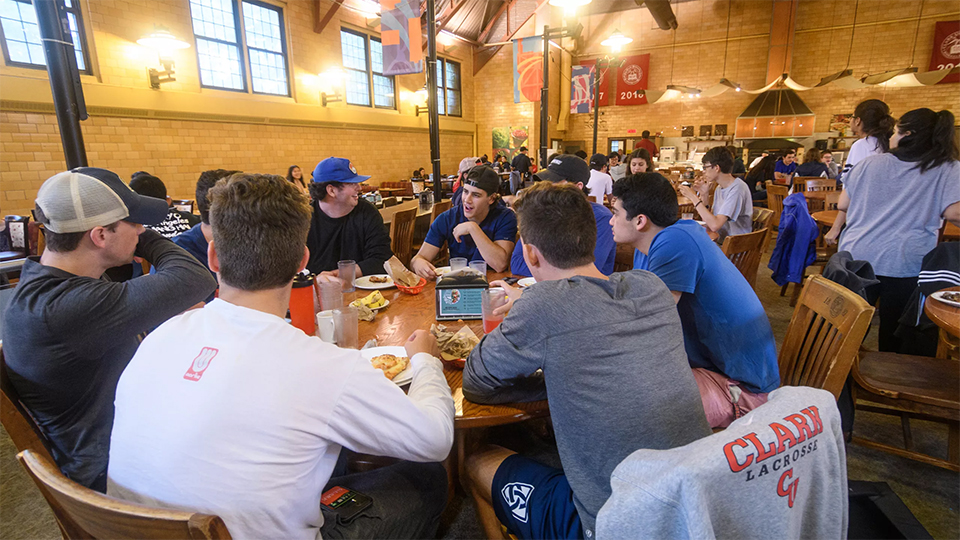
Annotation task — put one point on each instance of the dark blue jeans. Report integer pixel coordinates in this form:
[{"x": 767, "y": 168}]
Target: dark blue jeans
[{"x": 408, "y": 499}]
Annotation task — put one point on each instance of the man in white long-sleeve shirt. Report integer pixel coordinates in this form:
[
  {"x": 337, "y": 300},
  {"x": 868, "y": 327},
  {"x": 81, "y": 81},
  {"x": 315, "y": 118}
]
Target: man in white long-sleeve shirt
[{"x": 229, "y": 410}]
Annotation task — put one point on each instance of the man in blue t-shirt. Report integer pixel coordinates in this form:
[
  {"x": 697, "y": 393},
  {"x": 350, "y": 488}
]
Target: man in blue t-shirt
[
  {"x": 726, "y": 332},
  {"x": 569, "y": 169},
  {"x": 480, "y": 228},
  {"x": 785, "y": 167}
]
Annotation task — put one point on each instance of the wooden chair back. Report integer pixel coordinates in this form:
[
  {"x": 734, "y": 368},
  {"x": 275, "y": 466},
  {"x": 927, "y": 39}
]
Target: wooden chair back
[
  {"x": 824, "y": 335},
  {"x": 17, "y": 420},
  {"x": 389, "y": 201},
  {"x": 439, "y": 208},
  {"x": 763, "y": 219},
  {"x": 623, "y": 260},
  {"x": 831, "y": 200},
  {"x": 775, "y": 196},
  {"x": 744, "y": 250},
  {"x": 687, "y": 209},
  {"x": 99, "y": 516},
  {"x": 821, "y": 184},
  {"x": 401, "y": 234},
  {"x": 800, "y": 182}
]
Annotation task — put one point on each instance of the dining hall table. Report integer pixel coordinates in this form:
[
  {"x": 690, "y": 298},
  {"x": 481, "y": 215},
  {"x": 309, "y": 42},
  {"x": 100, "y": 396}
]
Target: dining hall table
[{"x": 947, "y": 317}]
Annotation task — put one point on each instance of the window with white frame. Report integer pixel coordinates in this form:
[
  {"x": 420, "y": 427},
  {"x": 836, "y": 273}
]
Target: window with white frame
[
  {"x": 366, "y": 84},
  {"x": 217, "y": 27},
  {"x": 448, "y": 88},
  {"x": 21, "y": 34}
]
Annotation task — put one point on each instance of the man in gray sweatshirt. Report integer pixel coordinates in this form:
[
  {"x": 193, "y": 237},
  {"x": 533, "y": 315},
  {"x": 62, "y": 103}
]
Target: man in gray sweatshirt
[{"x": 613, "y": 368}]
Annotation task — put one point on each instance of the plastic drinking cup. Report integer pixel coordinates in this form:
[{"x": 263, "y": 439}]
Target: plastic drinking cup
[
  {"x": 347, "y": 274},
  {"x": 491, "y": 299},
  {"x": 331, "y": 295},
  {"x": 479, "y": 266},
  {"x": 346, "y": 324},
  {"x": 456, "y": 263}
]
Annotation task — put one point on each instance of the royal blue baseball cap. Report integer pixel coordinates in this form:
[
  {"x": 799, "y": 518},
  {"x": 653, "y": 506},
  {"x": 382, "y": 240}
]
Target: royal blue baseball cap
[{"x": 334, "y": 169}]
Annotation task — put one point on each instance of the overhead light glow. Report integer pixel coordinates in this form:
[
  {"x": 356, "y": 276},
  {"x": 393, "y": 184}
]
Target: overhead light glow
[
  {"x": 569, "y": 6},
  {"x": 370, "y": 8},
  {"x": 162, "y": 40},
  {"x": 616, "y": 41}
]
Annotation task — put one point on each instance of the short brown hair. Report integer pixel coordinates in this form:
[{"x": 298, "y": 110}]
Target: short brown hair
[
  {"x": 207, "y": 180},
  {"x": 260, "y": 224},
  {"x": 558, "y": 220}
]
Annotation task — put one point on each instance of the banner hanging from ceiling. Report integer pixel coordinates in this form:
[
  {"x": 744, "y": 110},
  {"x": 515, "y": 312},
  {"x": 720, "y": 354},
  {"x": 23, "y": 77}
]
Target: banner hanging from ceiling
[
  {"x": 632, "y": 78},
  {"x": 401, "y": 37},
  {"x": 527, "y": 69},
  {"x": 946, "y": 49},
  {"x": 604, "y": 82},
  {"x": 581, "y": 89}
]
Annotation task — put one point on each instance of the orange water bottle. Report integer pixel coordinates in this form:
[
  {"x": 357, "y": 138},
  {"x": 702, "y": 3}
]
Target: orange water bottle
[{"x": 301, "y": 304}]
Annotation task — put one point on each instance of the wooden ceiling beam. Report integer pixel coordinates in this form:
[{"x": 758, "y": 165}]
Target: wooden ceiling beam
[
  {"x": 482, "y": 38},
  {"x": 481, "y": 60},
  {"x": 321, "y": 22}
]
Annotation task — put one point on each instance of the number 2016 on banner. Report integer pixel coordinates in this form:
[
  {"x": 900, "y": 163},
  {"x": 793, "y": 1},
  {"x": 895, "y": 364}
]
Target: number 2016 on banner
[{"x": 636, "y": 94}]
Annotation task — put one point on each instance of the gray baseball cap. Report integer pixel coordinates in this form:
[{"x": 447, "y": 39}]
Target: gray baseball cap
[{"x": 86, "y": 197}]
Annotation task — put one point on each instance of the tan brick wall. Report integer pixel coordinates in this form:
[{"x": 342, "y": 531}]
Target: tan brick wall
[{"x": 177, "y": 151}]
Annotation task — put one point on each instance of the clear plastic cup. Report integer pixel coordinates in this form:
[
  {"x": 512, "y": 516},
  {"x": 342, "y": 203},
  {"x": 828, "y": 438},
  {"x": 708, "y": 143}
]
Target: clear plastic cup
[
  {"x": 686, "y": 216},
  {"x": 347, "y": 274},
  {"x": 331, "y": 295},
  {"x": 457, "y": 263},
  {"x": 346, "y": 324},
  {"x": 491, "y": 299},
  {"x": 479, "y": 266}
]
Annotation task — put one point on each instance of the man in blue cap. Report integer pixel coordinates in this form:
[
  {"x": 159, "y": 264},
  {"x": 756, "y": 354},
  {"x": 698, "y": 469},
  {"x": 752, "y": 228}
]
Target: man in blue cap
[{"x": 344, "y": 227}]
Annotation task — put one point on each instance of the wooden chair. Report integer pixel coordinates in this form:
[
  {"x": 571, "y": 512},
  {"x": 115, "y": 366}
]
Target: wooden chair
[
  {"x": 96, "y": 515},
  {"x": 744, "y": 250},
  {"x": 401, "y": 234},
  {"x": 832, "y": 200},
  {"x": 775, "y": 196},
  {"x": 911, "y": 387},
  {"x": 825, "y": 332},
  {"x": 821, "y": 184},
  {"x": 799, "y": 183},
  {"x": 763, "y": 219},
  {"x": 389, "y": 201},
  {"x": 439, "y": 208},
  {"x": 687, "y": 209},
  {"x": 17, "y": 420},
  {"x": 623, "y": 260}
]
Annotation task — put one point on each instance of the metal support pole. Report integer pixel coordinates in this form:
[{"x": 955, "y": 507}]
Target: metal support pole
[
  {"x": 596, "y": 104},
  {"x": 544, "y": 98},
  {"x": 433, "y": 112},
  {"x": 64, "y": 78}
]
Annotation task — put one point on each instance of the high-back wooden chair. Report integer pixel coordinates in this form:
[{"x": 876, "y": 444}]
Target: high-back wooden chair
[
  {"x": 821, "y": 184},
  {"x": 687, "y": 209},
  {"x": 825, "y": 332},
  {"x": 744, "y": 250},
  {"x": 763, "y": 219},
  {"x": 98, "y": 516},
  {"x": 800, "y": 182},
  {"x": 439, "y": 208},
  {"x": 389, "y": 201},
  {"x": 831, "y": 200},
  {"x": 775, "y": 196},
  {"x": 401, "y": 234},
  {"x": 623, "y": 260}
]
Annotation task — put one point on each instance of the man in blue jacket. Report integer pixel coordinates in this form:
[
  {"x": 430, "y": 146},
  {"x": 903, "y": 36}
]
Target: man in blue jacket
[{"x": 726, "y": 332}]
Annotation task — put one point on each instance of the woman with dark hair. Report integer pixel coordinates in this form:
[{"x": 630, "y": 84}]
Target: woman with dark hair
[
  {"x": 873, "y": 125},
  {"x": 812, "y": 166},
  {"x": 895, "y": 204},
  {"x": 640, "y": 161},
  {"x": 757, "y": 177},
  {"x": 295, "y": 177}
]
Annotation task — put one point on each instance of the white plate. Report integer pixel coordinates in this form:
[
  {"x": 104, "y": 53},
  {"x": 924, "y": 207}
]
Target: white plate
[
  {"x": 939, "y": 296},
  {"x": 385, "y": 304},
  {"x": 404, "y": 376},
  {"x": 365, "y": 283},
  {"x": 526, "y": 282}
]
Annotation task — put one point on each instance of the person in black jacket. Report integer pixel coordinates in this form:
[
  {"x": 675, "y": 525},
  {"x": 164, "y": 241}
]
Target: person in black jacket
[{"x": 344, "y": 227}]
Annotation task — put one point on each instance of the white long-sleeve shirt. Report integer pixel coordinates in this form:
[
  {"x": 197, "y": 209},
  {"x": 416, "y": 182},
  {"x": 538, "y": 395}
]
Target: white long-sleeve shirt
[{"x": 231, "y": 411}]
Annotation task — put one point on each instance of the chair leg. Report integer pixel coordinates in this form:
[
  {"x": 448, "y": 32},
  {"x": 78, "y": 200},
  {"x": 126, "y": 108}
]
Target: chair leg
[
  {"x": 953, "y": 443},
  {"x": 907, "y": 435},
  {"x": 783, "y": 290}
]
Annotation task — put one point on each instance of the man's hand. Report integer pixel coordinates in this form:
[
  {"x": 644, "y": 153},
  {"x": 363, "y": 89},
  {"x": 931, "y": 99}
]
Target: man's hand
[
  {"x": 328, "y": 277},
  {"x": 464, "y": 229},
  {"x": 689, "y": 193},
  {"x": 421, "y": 341},
  {"x": 423, "y": 268},
  {"x": 513, "y": 293}
]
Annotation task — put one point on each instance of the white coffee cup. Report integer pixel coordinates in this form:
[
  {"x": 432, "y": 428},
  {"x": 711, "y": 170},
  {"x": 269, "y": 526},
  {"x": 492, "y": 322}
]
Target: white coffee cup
[{"x": 326, "y": 329}]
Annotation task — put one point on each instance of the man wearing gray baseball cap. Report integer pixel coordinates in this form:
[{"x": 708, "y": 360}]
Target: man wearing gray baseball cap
[{"x": 68, "y": 332}]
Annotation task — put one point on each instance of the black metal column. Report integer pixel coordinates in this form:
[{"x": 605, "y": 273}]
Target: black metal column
[
  {"x": 544, "y": 99},
  {"x": 433, "y": 112},
  {"x": 64, "y": 78}
]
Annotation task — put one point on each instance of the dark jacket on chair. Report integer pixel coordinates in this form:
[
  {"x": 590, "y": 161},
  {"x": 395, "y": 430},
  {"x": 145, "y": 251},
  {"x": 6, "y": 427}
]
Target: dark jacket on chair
[{"x": 795, "y": 249}]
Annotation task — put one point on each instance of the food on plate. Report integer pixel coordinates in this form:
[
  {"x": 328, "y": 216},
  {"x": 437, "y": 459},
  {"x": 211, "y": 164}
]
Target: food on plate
[
  {"x": 454, "y": 345},
  {"x": 365, "y": 314},
  {"x": 374, "y": 300},
  {"x": 400, "y": 274},
  {"x": 951, "y": 296},
  {"x": 390, "y": 365},
  {"x": 379, "y": 279}
]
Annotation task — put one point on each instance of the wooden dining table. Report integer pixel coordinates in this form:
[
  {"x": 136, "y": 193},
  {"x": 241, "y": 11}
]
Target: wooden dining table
[
  {"x": 944, "y": 315},
  {"x": 825, "y": 217}
]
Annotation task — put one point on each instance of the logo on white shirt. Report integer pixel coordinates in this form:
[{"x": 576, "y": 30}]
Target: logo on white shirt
[
  {"x": 517, "y": 497},
  {"x": 200, "y": 364}
]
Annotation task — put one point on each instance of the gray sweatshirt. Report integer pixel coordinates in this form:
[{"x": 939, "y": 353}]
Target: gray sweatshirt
[
  {"x": 614, "y": 369},
  {"x": 778, "y": 472}
]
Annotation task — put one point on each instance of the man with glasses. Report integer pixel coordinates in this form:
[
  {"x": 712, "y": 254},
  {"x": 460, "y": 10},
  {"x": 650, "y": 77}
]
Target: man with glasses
[{"x": 732, "y": 211}]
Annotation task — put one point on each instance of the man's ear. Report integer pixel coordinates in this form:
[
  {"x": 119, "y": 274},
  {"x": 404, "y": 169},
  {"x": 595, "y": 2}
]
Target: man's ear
[
  {"x": 98, "y": 235},
  {"x": 531, "y": 255},
  {"x": 642, "y": 222},
  {"x": 305, "y": 259},
  {"x": 213, "y": 261}
]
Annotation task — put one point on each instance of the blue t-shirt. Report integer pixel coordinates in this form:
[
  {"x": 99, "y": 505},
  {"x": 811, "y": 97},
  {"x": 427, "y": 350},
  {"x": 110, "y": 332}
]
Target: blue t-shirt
[
  {"x": 725, "y": 328},
  {"x": 194, "y": 243},
  {"x": 500, "y": 224},
  {"x": 785, "y": 169},
  {"x": 603, "y": 255}
]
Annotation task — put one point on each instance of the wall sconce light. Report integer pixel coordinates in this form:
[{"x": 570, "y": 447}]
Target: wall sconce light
[
  {"x": 332, "y": 78},
  {"x": 422, "y": 95},
  {"x": 334, "y": 98},
  {"x": 162, "y": 41}
]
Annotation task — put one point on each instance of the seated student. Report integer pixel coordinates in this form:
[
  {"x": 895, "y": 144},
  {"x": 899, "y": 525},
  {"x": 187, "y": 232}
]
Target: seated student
[
  {"x": 813, "y": 165},
  {"x": 613, "y": 369},
  {"x": 600, "y": 183},
  {"x": 68, "y": 334},
  {"x": 344, "y": 226},
  {"x": 176, "y": 222},
  {"x": 786, "y": 167},
  {"x": 617, "y": 169},
  {"x": 481, "y": 228},
  {"x": 726, "y": 332},
  {"x": 732, "y": 211},
  {"x": 229, "y": 410},
  {"x": 569, "y": 169}
]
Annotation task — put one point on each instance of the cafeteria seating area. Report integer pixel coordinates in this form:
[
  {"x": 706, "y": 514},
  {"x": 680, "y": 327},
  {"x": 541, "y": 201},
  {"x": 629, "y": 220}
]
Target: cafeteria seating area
[{"x": 470, "y": 269}]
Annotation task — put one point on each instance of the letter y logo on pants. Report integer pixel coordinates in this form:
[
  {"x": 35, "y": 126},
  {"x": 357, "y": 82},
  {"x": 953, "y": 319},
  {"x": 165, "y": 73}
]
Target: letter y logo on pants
[{"x": 517, "y": 495}]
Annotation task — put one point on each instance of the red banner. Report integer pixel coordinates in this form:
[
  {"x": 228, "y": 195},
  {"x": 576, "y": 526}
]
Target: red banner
[
  {"x": 632, "y": 80},
  {"x": 604, "y": 82},
  {"x": 946, "y": 49}
]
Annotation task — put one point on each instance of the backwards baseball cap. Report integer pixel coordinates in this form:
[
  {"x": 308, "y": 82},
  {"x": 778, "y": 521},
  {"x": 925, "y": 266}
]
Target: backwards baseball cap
[
  {"x": 334, "y": 169},
  {"x": 566, "y": 167},
  {"x": 598, "y": 159},
  {"x": 467, "y": 163},
  {"x": 83, "y": 198},
  {"x": 483, "y": 177}
]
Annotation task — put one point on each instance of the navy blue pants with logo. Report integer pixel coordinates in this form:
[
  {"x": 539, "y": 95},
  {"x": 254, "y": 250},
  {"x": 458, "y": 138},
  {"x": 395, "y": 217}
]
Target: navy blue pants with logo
[{"x": 534, "y": 501}]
